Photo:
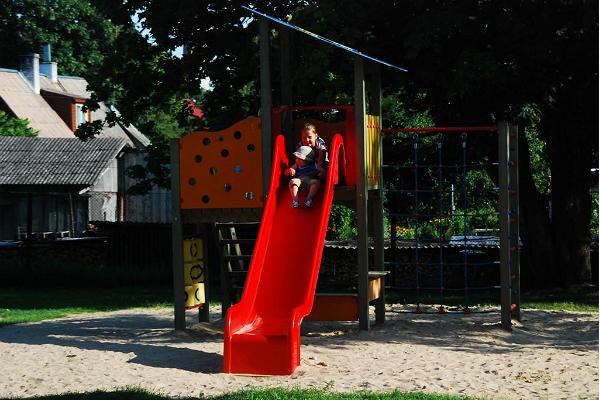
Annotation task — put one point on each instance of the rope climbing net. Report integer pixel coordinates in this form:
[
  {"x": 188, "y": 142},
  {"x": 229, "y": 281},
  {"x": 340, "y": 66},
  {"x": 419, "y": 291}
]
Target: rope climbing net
[{"x": 442, "y": 202}]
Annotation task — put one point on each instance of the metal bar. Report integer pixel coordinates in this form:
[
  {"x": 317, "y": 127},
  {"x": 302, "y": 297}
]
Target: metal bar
[
  {"x": 442, "y": 129},
  {"x": 316, "y": 108},
  {"x": 177, "y": 240},
  {"x": 361, "y": 196},
  {"x": 503, "y": 159},
  {"x": 323, "y": 39},
  {"x": 493, "y": 164}
]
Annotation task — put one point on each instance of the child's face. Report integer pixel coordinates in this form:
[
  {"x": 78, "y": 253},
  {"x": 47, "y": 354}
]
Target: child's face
[
  {"x": 309, "y": 138},
  {"x": 300, "y": 161}
]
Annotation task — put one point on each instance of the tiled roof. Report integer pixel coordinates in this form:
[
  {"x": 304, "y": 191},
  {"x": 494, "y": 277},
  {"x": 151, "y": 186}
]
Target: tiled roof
[
  {"x": 76, "y": 87},
  {"x": 26, "y": 104},
  {"x": 53, "y": 161}
]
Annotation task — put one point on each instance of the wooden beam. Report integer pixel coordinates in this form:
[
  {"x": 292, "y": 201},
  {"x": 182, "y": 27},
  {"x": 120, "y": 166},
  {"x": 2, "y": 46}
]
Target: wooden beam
[
  {"x": 266, "y": 102},
  {"x": 515, "y": 257},
  {"x": 177, "y": 240},
  {"x": 503, "y": 159},
  {"x": 361, "y": 195}
]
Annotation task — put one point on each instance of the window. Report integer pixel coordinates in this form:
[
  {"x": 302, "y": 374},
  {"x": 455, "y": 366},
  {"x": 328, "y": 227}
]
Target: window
[{"x": 82, "y": 116}]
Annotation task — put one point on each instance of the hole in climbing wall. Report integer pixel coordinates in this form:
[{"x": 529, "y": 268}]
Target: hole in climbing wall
[
  {"x": 192, "y": 181},
  {"x": 205, "y": 199},
  {"x": 249, "y": 195},
  {"x": 221, "y": 138},
  {"x": 212, "y": 170},
  {"x": 206, "y": 141},
  {"x": 227, "y": 187},
  {"x": 251, "y": 147},
  {"x": 237, "y": 169},
  {"x": 237, "y": 135},
  {"x": 224, "y": 153},
  {"x": 198, "y": 158}
]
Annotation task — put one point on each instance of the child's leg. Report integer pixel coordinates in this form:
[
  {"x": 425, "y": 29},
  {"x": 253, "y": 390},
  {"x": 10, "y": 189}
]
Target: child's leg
[
  {"x": 313, "y": 187},
  {"x": 294, "y": 185}
]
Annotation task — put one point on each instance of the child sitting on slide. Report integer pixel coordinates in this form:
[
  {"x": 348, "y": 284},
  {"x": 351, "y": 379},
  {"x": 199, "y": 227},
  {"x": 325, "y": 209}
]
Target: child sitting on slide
[
  {"x": 304, "y": 176},
  {"x": 310, "y": 137}
]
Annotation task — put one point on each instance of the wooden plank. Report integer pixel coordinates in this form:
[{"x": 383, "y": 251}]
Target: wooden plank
[
  {"x": 266, "y": 102},
  {"x": 334, "y": 307},
  {"x": 177, "y": 240},
  {"x": 503, "y": 158},
  {"x": 515, "y": 254},
  {"x": 361, "y": 194}
]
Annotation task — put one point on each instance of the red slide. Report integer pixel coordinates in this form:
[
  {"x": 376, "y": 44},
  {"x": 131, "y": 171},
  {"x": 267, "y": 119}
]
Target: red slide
[{"x": 262, "y": 331}]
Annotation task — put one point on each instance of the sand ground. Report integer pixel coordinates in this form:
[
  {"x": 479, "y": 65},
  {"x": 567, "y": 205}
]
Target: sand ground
[{"x": 550, "y": 355}]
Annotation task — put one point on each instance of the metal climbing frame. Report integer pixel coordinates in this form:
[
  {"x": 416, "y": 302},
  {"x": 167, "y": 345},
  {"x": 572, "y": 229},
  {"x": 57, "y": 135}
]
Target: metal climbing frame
[{"x": 431, "y": 165}]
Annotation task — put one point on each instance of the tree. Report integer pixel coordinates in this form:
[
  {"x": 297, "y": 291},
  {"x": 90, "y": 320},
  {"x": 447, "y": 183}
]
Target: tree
[
  {"x": 10, "y": 126},
  {"x": 80, "y": 36}
]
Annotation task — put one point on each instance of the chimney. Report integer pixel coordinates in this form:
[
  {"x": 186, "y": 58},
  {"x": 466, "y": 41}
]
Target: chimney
[
  {"x": 30, "y": 69},
  {"x": 47, "y": 67}
]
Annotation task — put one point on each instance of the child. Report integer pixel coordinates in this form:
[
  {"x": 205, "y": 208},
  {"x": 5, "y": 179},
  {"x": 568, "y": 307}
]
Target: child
[
  {"x": 310, "y": 137},
  {"x": 304, "y": 175}
]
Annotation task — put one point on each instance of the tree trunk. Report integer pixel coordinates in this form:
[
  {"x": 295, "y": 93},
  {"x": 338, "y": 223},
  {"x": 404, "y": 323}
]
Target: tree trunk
[
  {"x": 538, "y": 269},
  {"x": 570, "y": 150}
]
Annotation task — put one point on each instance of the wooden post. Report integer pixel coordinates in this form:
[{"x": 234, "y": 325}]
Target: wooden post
[
  {"x": 286, "y": 85},
  {"x": 376, "y": 195},
  {"x": 177, "y": 240},
  {"x": 361, "y": 195},
  {"x": 204, "y": 311},
  {"x": 515, "y": 259},
  {"x": 266, "y": 103},
  {"x": 504, "y": 203}
]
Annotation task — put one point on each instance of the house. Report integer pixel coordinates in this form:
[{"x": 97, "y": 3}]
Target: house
[
  {"x": 53, "y": 105},
  {"x": 46, "y": 185}
]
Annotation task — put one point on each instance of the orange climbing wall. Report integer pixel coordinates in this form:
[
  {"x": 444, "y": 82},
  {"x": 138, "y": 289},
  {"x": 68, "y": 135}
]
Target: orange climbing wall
[{"x": 222, "y": 169}]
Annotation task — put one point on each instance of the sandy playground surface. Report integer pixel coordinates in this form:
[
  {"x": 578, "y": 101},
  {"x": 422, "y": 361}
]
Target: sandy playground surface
[{"x": 551, "y": 355}]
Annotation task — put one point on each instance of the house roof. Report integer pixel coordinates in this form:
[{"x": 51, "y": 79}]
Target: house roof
[
  {"x": 76, "y": 88},
  {"x": 55, "y": 161},
  {"x": 25, "y": 104},
  {"x": 20, "y": 98}
]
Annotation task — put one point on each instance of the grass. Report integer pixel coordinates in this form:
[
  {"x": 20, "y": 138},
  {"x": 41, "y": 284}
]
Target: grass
[
  {"x": 32, "y": 305},
  {"x": 581, "y": 299},
  {"x": 261, "y": 394}
]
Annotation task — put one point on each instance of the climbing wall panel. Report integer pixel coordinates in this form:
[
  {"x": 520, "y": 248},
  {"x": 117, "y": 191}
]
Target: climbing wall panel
[{"x": 222, "y": 169}]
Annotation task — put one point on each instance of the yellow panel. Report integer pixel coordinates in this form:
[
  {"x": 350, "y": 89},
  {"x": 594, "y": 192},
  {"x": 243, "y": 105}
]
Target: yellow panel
[
  {"x": 194, "y": 295},
  {"x": 193, "y": 250},
  {"x": 222, "y": 169},
  {"x": 373, "y": 151},
  {"x": 193, "y": 272}
]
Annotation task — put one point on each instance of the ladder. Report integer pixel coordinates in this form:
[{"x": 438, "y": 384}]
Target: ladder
[{"x": 235, "y": 241}]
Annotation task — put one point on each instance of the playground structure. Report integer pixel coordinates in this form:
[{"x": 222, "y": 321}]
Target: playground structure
[{"x": 235, "y": 175}]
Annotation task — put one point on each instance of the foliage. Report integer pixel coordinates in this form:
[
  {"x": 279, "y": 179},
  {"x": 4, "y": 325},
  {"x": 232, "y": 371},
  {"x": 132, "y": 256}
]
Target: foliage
[
  {"x": 10, "y": 126},
  {"x": 342, "y": 223},
  {"x": 80, "y": 35}
]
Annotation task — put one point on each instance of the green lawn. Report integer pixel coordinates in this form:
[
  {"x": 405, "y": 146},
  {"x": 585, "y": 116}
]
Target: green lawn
[
  {"x": 265, "y": 394},
  {"x": 582, "y": 298},
  {"x": 31, "y": 305}
]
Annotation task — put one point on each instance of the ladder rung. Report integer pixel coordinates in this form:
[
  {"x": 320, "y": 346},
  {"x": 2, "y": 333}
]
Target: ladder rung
[
  {"x": 234, "y": 224},
  {"x": 236, "y": 241},
  {"x": 237, "y": 257}
]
